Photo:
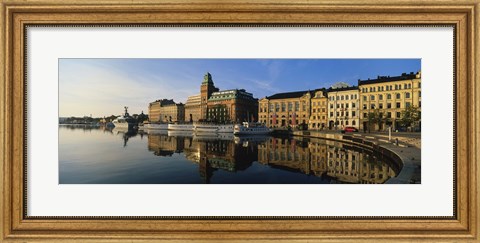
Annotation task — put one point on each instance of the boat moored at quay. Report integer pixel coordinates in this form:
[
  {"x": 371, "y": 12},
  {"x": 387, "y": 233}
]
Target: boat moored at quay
[
  {"x": 125, "y": 121},
  {"x": 213, "y": 128},
  {"x": 251, "y": 128},
  {"x": 180, "y": 127},
  {"x": 156, "y": 126}
]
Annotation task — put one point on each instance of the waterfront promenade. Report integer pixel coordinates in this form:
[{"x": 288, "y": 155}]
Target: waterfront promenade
[{"x": 408, "y": 149}]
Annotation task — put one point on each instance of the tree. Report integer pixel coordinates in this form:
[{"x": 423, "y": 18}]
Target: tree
[
  {"x": 376, "y": 117},
  {"x": 410, "y": 116}
]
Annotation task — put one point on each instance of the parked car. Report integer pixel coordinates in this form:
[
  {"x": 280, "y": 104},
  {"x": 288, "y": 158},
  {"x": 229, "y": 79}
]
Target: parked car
[{"x": 349, "y": 129}]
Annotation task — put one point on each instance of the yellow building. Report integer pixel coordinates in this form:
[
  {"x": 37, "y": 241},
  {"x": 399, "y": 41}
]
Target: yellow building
[
  {"x": 285, "y": 109},
  {"x": 166, "y": 111},
  {"x": 192, "y": 108},
  {"x": 388, "y": 96},
  {"x": 343, "y": 107},
  {"x": 318, "y": 117}
]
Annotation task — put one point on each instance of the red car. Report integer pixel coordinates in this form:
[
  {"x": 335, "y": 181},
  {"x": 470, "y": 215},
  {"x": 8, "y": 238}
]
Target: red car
[{"x": 350, "y": 129}]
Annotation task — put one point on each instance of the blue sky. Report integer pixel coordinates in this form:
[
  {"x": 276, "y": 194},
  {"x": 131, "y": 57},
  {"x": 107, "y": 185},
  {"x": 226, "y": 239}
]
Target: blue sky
[{"x": 102, "y": 87}]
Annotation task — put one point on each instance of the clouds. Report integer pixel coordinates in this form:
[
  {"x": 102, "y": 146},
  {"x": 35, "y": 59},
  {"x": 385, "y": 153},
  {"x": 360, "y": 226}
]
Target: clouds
[{"x": 102, "y": 87}]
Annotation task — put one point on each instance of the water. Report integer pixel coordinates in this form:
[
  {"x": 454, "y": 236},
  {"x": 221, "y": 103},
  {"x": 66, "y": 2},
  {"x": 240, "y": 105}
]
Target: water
[{"x": 96, "y": 155}]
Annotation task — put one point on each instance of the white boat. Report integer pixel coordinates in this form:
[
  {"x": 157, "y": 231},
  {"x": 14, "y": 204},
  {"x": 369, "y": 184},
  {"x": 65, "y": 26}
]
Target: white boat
[
  {"x": 213, "y": 128},
  {"x": 179, "y": 133},
  {"x": 156, "y": 126},
  {"x": 180, "y": 127},
  {"x": 125, "y": 121},
  {"x": 250, "y": 129}
]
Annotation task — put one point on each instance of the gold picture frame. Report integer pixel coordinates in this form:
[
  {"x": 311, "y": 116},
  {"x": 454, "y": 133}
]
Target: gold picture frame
[{"x": 16, "y": 15}]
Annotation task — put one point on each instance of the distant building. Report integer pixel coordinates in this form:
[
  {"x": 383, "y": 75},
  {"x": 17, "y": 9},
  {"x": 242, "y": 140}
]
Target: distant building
[
  {"x": 285, "y": 109},
  {"x": 165, "y": 110},
  {"x": 235, "y": 105},
  {"x": 192, "y": 108}
]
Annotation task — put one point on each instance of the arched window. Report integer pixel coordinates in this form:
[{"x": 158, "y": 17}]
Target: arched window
[
  {"x": 398, "y": 96},
  {"x": 407, "y": 95}
]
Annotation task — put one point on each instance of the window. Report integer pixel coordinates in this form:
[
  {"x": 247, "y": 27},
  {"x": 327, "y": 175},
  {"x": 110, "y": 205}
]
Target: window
[
  {"x": 389, "y": 96},
  {"x": 338, "y": 114},
  {"x": 289, "y": 106},
  {"x": 364, "y": 106},
  {"x": 331, "y": 114},
  {"x": 341, "y": 97},
  {"x": 346, "y": 97},
  {"x": 364, "y": 98},
  {"x": 353, "y": 122},
  {"x": 323, "y": 109},
  {"x": 419, "y": 103},
  {"x": 297, "y": 106},
  {"x": 419, "y": 84},
  {"x": 389, "y": 115},
  {"x": 338, "y": 106},
  {"x": 409, "y": 86},
  {"x": 372, "y": 106},
  {"x": 407, "y": 104},
  {"x": 372, "y": 97},
  {"x": 419, "y": 93},
  {"x": 314, "y": 110},
  {"x": 404, "y": 86},
  {"x": 331, "y": 106},
  {"x": 398, "y": 96},
  {"x": 346, "y": 105},
  {"x": 364, "y": 115},
  {"x": 283, "y": 107},
  {"x": 353, "y": 113},
  {"x": 277, "y": 107},
  {"x": 353, "y": 105},
  {"x": 346, "y": 113},
  {"x": 407, "y": 95},
  {"x": 380, "y": 106},
  {"x": 380, "y": 97},
  {"x": 398, "y": 114},
  {"x": 398, "y": 105},
  {"x": 346, "y": 122}
]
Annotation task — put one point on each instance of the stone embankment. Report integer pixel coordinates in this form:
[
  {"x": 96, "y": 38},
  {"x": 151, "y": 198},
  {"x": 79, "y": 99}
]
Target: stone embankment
[{"x": 402, "y": 149}]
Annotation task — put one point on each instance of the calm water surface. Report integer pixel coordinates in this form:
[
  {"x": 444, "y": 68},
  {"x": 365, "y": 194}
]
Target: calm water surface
[{"x": 95, "y": 155}]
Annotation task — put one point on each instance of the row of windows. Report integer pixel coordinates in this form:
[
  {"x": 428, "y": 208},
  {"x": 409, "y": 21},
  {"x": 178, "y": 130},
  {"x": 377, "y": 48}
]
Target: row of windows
[
  {"x": 389, "y": 96},
  {"x": 343, "y": 114},
  {"x": 389, "y": 87},
  {"x": 389, "y": 105},
  {"x": 389, "y": 115},
  {"x": 344, "y": 97},
  {"x": 346, "y": 105}
]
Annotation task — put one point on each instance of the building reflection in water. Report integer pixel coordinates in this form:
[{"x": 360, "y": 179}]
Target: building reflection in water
[
  {"x": 336, "y": 162},
  {"x": 340, "y": 162}
]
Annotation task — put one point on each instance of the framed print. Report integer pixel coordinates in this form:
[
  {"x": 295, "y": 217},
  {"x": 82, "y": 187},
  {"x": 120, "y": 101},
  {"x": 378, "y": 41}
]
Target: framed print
[{"x": 248, "y": 120}]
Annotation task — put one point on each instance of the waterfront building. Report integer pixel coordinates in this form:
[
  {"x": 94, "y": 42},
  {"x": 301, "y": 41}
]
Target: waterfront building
[
  {"x": 192, "y": 108},
  {"x": 232, "y": 105},
  {"x": 318, "y": 117},
  {"x": 165, "y": 110},
  {"x": 388, "y": 96},
  {"x": 285, "y": 109},
  {"x": 222, "y": 106},
  {"x": 343, "y": 107}
]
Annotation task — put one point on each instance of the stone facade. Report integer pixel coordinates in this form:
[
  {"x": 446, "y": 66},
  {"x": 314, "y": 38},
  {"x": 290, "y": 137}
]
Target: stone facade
[
  {"x": 343, "y": 108},
  {"x": 389, "y": 96},
  {"x": 165, "y": 110}
]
